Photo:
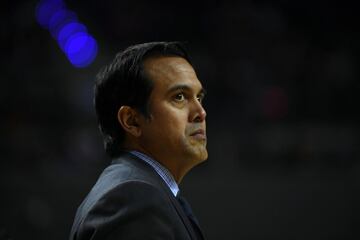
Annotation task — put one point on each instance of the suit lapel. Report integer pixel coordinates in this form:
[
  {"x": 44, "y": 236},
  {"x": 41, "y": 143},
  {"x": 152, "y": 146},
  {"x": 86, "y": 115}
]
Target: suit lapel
[
  {"x": 189, "y": 224},
  {"x": 188, "y": 212},
  {"x": 198, "y": 229},
  {"x": 183, "y": 216}
]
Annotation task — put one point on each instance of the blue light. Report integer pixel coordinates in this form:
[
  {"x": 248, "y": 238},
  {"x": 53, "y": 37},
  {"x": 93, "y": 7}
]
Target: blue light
[
  {"x": 45, "y": 10},
  {"x": 81, "y": 49},
  {"x": 59, "y": 20},
  {"x": 68, "y": 31},
  {"x": 72, "y": 37}
]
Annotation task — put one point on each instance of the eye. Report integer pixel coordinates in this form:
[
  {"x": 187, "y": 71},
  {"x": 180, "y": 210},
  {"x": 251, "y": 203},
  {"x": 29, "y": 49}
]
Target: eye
[
  {"x": 179, "y": 97},
  {"x": 200, "y": 98}
]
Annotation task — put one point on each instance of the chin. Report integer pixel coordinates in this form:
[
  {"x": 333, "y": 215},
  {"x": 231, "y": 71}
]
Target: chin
[
  {"x": 204, "y": 157},
  {"x": 200, "y": 155},
  {"x": 196, "y": 152}
]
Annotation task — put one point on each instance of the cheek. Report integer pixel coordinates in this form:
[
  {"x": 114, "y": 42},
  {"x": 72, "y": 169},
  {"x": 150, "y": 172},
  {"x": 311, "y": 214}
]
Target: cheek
[{"x": 171, "y": 122}]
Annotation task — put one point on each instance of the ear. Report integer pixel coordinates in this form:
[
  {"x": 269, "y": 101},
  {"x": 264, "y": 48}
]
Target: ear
[{"x": 129, "y": 120}]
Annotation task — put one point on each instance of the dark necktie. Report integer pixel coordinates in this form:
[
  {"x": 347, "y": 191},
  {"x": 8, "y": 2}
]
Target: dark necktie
[
  {"x": 187, "y": 209},
  {"x": 194, "y": 222}
]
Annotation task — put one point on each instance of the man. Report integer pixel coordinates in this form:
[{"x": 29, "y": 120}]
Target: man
[{"x": 149, "y": 107}]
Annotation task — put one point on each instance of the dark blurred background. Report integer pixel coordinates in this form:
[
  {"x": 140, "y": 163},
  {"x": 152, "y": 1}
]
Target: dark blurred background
[{"x": 283, "y": 116}]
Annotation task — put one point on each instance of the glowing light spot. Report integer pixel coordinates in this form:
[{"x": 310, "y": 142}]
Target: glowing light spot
[
  {"x": 59, "y": 20},
  {"x": 81, "y": 49},
  {"x": 68, "y": 31},
  {"x": 45, "y": 9}
]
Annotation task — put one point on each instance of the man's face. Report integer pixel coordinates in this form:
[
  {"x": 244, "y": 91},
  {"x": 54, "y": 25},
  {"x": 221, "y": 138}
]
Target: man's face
[{"x": 176, "y": 132}]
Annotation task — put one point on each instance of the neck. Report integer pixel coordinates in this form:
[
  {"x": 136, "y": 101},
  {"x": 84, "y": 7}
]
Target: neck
[{"x": 176, "y": 171}]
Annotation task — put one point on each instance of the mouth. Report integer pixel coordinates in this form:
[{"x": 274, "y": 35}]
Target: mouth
[{"x": 199, "y": 134}]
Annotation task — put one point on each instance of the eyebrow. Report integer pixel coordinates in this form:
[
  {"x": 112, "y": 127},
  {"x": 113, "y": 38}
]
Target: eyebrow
[{"x": 185, "y": 87}]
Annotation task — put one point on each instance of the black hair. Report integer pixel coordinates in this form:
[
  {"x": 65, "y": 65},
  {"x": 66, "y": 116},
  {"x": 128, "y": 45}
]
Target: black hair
[{"x": 124, "y": 82}]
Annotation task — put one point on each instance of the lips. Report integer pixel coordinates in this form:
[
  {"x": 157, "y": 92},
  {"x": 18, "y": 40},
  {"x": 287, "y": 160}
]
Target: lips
[
  {"x": 199, "y": 134},
  {"x": 200, "y": 131}
]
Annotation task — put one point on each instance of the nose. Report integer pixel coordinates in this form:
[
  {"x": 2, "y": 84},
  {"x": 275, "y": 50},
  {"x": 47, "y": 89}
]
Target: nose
[{"x": 198, "y": 113}]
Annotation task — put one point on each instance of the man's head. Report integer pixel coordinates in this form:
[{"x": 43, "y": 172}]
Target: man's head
[{"x": 149, "y": 99}]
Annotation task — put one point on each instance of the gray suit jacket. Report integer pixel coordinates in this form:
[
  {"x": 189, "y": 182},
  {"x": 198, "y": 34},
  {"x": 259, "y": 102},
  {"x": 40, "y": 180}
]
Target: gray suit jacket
[{"x": 131, "y": 201}]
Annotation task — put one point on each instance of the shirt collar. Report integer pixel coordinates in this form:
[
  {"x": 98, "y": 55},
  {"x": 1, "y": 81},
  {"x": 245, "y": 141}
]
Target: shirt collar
[{"x": 163, "y": 172}]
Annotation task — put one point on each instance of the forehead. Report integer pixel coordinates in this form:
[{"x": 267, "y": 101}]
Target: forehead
[{"x": 167, "y": 71}]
